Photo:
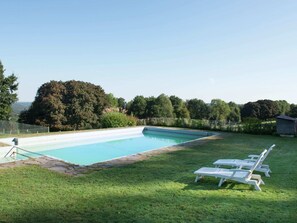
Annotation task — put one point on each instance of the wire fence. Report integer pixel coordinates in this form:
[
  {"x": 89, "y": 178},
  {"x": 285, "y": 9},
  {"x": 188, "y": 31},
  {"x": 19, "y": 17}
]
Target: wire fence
[{"x": 10, "y": 127}]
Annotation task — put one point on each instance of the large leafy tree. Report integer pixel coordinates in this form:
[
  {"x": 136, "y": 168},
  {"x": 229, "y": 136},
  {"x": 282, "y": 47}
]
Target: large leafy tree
[
  {"x": 179, "y": 107},
  {"x": 251, "y": 110},
  {"x": 283, "y": 107},
  {"x": 8, "y": 95},
  {"x": 150, "y": 104},
  {"x": 261, "y": 109},
  {"x": 219, "y": 110},
  {"x": 269, "y": 109},
  {"x": 198, "y": 109},
  {"x": 112, "y": 101},
  {"x": 121, "y": 103},
  {"x": 162, "y": 107},
  {"x": 138, "y": 107},
  {"x": 67, "y": 105},
  {"x": 234, "y": 115},
  {"x": 293, "y": 110}
]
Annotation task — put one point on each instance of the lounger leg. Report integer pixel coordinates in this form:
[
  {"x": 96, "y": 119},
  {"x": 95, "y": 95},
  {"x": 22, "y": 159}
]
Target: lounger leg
[
  {"x": 256, "y": 184},
  {"x": 267, "y": 173},
  {"x": 258, "y": 178},
  {"x": 257, "y": 187},
  {"x": 221, "y": 182},
  {"x": 198, "y": 178}
]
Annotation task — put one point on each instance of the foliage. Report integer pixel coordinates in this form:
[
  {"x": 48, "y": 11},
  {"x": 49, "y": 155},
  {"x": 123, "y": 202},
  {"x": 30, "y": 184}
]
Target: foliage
[
  {"x": 117, "y": 119},
  {"x": 250, "y": 125},
  {"x": 256, "y": 126},
  {"x": 219, "y": 110},
  {"x": 162, "y": 107},
  {"x": 234, "y": 115},
  {"x": 283, "y": 107},
  {"x": 121, "y": 103},
  {"x": 179, "y": 107},
  {"x": 250, "y": 110},
  {"x": 159, "y": 189},
  {"x": 8, "y": 95},
  {"x": 293, "y": 110},
  {"x": 269, "y": 109},
  {"x": 261, "y": 109},
  {"x": 149, "y": 110},
  {"x": 138, "y": 107},
  {"x": 198, "y": 109},
  {"x": 112, "y": 101},
  {"x": 69, "y": 105}
]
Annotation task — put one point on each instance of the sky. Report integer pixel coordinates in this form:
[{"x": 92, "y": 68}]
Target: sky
[{"x": 237, "y": 51}]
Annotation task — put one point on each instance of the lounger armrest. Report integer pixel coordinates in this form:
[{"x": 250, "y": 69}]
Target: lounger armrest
[{"x": 253, "y": 157}]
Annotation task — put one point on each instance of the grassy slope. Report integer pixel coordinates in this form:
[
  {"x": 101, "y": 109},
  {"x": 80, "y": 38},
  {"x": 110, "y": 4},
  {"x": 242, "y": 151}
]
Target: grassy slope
[{"x": 160, "y": 189}]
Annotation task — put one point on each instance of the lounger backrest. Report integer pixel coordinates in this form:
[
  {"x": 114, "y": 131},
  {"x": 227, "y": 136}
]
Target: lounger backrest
[
  {"x": 258, "y": 161},
  {"x": 266, "y": 154}
]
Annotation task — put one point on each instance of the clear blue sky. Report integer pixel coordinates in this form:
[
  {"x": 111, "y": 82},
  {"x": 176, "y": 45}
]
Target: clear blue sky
[{"x": 233, "y": 50}]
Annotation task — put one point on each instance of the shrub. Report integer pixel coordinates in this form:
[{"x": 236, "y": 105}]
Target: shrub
[
  {"x": 250, "y": 125},
  {"x": 117, "y": 119}
]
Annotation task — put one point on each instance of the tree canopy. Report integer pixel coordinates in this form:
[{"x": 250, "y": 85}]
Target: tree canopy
[
  {"x": 67, "y": 105},
  {"x": 198, "y": 109},
  {"x": 293, "y": 110},
  {"x": 261, "y": 109},
  {"x": 8, "y": 95},
  {"x": 234, "y": 114},
  {"x": 162, "y": 107},
  {"x": 138, "y": 107},
  {"x": 179, "y": 107},
  {"x": 219, "y": 110}
]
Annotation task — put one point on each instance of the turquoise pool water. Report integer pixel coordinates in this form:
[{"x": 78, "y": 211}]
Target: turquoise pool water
[{"x": 97, "y": 152}]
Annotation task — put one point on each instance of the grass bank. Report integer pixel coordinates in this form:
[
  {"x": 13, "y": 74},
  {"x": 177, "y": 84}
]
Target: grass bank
[{"x": 160, "y": 189}]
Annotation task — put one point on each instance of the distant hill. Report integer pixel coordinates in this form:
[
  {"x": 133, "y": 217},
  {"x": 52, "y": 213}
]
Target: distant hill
[{"x": 18, "y": 107}]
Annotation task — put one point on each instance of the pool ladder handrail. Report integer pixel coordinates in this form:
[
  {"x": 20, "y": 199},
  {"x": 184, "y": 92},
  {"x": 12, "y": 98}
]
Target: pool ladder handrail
[{"x": 16, "y": 152}]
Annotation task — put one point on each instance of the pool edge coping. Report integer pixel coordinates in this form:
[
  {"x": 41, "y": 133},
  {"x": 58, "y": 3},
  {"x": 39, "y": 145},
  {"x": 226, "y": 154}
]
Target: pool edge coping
[{"x": 67, "y": 168}]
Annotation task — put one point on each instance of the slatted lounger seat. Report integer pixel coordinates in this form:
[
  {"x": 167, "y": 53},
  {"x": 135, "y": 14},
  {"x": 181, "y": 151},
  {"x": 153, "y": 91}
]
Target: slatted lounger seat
[
  {"x": 238, "y": 175},
  {"x": 247, "y": 163}
]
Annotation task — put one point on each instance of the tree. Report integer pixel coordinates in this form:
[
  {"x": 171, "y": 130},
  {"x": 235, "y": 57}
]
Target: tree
[
  {"x": 162, "y": 107},
  {"x": 261, "y": 109},
  {"x": 250, "y": 110},
  {"x": 138, "y": 107},
  {"x": 48, "y": 108},
  {"x": 8, "y": 95},
  {"x": 150, "y": 103},
  {"x": 112, "y": 101},
  {"x": 234, "y": 115},
  {"x": 293, "y": 111},
  {"x": 198, "y": 109},
  {"x": 268, "y": 109},
  {"x": 219, "y": 110},
  {"x": 121, "y": 103},
  {"x": 67, "y": 105},
  {"x": 283, "y": 107},
  {"x": 179, "y": 107}
]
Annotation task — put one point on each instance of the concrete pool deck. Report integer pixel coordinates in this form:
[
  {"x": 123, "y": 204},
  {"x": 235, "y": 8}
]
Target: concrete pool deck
[{"x": 76, "y": 170}]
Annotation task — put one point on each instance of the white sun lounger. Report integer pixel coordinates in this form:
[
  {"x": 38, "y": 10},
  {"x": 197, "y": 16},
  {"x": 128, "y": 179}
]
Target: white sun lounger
[
  {"x": 247, "y": 163},
  {"x": 238, "y": 175}
]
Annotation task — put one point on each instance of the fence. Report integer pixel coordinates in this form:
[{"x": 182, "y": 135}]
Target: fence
[
  {"x": 10, "y": 127},
  {"x": 253, "y": 127}
]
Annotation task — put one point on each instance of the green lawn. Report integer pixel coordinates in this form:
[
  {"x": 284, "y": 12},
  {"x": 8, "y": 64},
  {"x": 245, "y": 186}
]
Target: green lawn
[{"x": 160, "y": 189}]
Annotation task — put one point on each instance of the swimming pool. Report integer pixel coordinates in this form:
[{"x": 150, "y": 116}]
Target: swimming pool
[{"x": 114, "y": 144}]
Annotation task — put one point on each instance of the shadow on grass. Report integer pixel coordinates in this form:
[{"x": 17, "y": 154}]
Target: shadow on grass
[{"x": 163, "y": 206}]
